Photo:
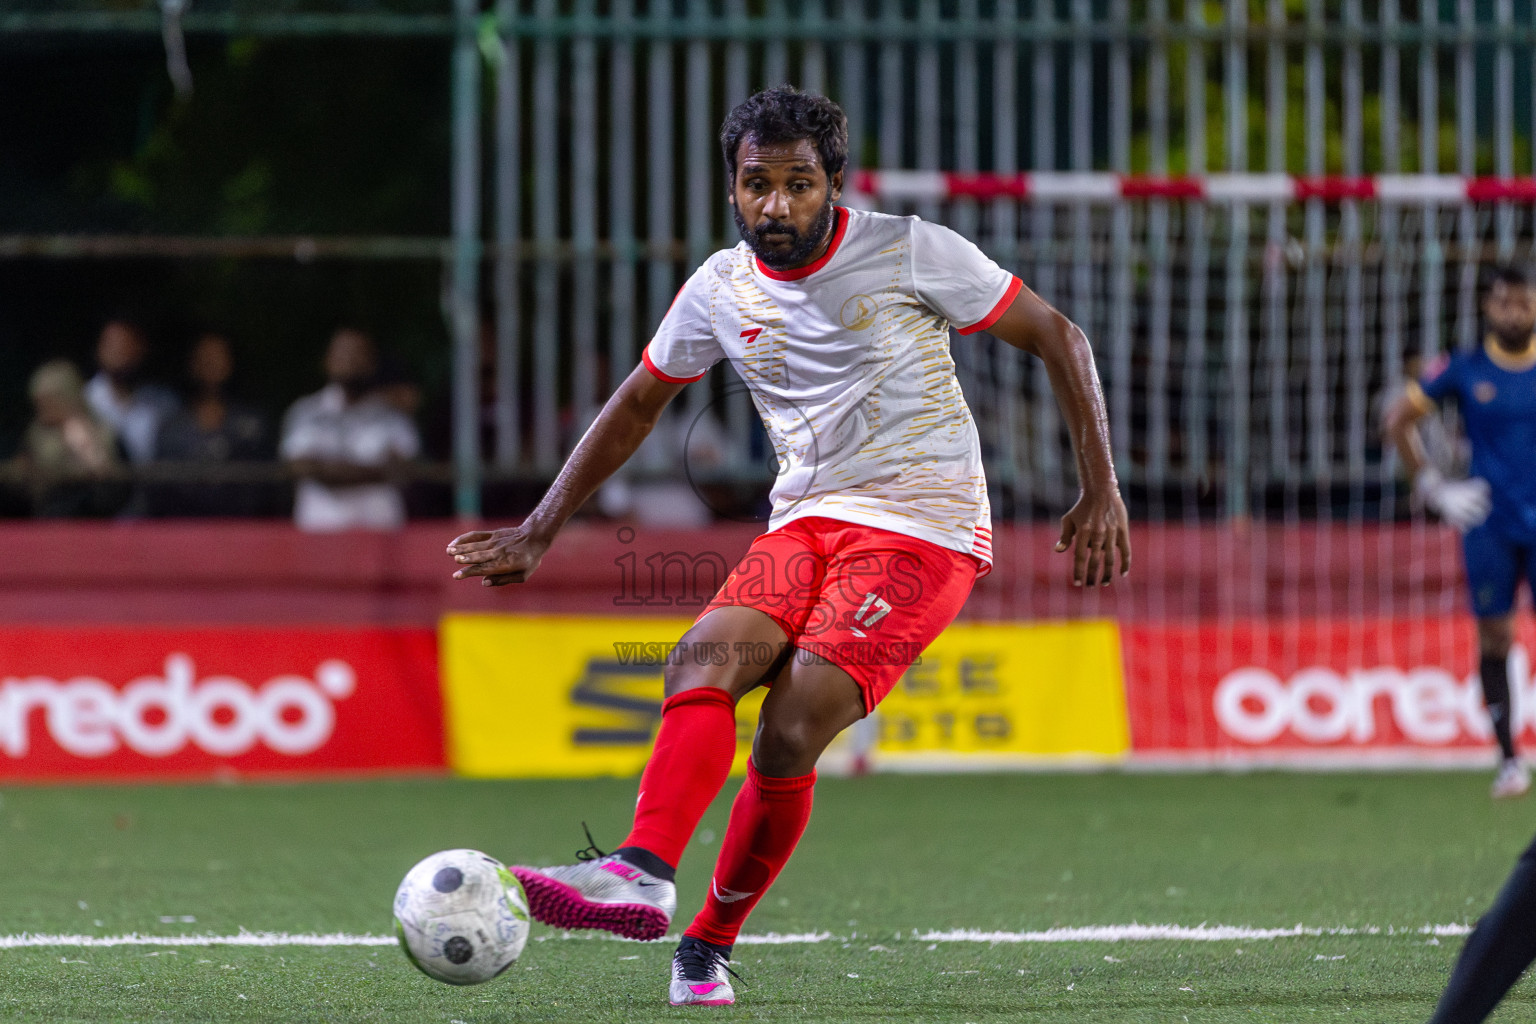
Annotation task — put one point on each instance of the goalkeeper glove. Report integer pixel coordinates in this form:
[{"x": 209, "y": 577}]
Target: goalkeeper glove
[{"x": 1464, "y": 504}]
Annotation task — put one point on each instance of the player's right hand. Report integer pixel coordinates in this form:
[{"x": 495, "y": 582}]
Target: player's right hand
[
  {"x": 498, "y": 557},
  {"x": 1095, "y": 529},
  {"x": 1464, "y": 504}
]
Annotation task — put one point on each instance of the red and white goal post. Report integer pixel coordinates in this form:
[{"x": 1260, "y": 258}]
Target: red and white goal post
[{"x": 1097, "y": 187}]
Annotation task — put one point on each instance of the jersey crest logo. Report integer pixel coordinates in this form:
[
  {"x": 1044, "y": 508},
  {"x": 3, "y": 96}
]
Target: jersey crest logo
[
  {"x": 1484, "y": 391},
  {"x": 750, "y": 334},
  {"x": 859, "y": 312}
]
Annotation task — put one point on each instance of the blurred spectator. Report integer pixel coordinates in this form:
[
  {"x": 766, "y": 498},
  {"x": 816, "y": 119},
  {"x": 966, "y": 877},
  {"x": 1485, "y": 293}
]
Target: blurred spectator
[
  {"x": 133, "y": 407},
  {"x": 66, "y": 452},
  {"x": 343, "y": 442},
  {"x": 657, "y": 490},
  {"x": 212, "y": 429},
  {"x": 503, "y": 493},
  {"x": 424, "y": 499},
  {"x": 399, "y": 389}
]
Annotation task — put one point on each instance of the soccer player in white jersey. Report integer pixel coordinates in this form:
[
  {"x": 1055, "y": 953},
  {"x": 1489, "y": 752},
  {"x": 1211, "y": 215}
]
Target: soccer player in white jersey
[{"x": 838, "y": 321}]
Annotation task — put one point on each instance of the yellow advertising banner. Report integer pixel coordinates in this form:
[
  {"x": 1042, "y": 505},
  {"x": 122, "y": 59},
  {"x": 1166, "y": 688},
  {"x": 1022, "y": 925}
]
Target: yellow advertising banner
[
  {"x": 533, "y": 696},
  {"x": 993, "y": 694}
]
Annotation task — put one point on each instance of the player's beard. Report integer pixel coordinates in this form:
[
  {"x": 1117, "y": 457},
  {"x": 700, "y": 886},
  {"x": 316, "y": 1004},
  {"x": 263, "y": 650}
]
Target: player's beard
[
  {"x": 1515, "y": 337},
  {"x": 801, "y": 246}
]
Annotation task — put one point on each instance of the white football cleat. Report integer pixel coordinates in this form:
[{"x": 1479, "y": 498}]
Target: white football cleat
[
  {"x": 1513, "y": 780},
  {"x": 700, "y": 976},
  {"x": 607, "y": 893}
]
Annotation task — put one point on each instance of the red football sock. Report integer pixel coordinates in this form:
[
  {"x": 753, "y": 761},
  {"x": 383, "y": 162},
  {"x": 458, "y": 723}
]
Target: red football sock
[
  {"x": 767, "y": 820},
  {"x": 694, "y": 749}
]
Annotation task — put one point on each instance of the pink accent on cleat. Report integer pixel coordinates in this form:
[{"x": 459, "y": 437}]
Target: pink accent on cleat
[
  {"x": 701, "y": 975},
  {"x": 555, "y": 903},
  {"x": 615, "y": 868}
]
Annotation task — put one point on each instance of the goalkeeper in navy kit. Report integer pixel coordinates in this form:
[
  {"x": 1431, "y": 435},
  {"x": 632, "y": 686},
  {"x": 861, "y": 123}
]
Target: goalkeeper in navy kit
[
  {"x": 1495, "y": 510},
  {"x": 1494, "y": 388}
]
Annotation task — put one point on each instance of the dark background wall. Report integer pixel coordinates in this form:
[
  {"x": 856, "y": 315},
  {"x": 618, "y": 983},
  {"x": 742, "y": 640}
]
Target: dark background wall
[{"x": 329, "y": 137}]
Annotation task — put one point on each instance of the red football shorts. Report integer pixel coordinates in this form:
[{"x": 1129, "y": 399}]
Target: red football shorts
[{"x": 865, "y": 599}]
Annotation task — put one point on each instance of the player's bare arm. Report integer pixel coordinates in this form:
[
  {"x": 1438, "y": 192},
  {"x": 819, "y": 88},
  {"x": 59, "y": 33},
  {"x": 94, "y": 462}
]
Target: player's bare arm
[
  {"x": 1401, "y": 427},
  {"x": 511, "y": 555},
  {"x": 1097, "y": 526}
]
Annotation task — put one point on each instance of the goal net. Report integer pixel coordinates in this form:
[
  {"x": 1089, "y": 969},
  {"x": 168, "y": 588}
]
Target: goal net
[{"x": 1288, "y": 599}]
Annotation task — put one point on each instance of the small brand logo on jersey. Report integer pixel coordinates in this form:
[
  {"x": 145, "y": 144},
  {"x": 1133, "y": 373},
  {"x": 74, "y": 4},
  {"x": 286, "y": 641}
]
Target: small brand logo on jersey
[
  {"x": 1484, "y": 391},
  {"x": 859, "y": 312}
]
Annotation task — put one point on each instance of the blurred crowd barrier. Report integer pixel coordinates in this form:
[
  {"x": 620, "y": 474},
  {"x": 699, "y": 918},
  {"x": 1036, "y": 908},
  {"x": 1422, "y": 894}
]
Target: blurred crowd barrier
[{"x": 172, "y": 648}]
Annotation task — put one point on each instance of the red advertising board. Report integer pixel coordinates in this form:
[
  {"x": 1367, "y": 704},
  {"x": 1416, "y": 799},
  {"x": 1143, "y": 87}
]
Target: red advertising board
[
  {"x": 163, "y": 702},
  {"x": 1293, "y": 689}
]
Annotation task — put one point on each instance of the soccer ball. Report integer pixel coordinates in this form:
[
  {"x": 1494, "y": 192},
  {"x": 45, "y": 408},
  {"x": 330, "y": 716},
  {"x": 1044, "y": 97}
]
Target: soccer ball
[{"x": 461, "y": 917}]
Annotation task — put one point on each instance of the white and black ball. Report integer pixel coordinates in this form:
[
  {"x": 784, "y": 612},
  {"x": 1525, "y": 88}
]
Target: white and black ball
[{"x": 461, "y": 917}]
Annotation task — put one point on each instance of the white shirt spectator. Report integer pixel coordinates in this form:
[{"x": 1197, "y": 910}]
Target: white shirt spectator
[
  {"x": 137, "y": 420},
  {"x": 368, "y": 432}
]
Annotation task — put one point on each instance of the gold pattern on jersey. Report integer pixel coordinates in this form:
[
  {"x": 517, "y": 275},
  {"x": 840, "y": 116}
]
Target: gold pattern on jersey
[{"x": 851, "y": 372}]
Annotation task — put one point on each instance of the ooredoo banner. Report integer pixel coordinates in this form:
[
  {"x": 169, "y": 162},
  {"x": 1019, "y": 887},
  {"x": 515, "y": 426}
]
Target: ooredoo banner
[
  {"x": 198, "y": 702},
  {"x": 1321, "y": 690}
]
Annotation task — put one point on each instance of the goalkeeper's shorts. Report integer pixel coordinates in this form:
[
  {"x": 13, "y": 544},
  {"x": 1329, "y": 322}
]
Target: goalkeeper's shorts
[{"x": 1495, "y": 562}]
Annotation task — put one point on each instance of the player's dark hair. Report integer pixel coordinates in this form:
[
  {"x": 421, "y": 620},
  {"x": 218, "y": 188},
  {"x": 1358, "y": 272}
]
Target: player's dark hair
[
  {"x": 785, "y": 114},
  {"x": 1505, "y": 273}
]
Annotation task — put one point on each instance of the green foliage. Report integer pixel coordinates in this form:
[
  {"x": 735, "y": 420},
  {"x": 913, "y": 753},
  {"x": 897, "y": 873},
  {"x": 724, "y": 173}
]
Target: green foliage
[{"x": 337, "y": 136}]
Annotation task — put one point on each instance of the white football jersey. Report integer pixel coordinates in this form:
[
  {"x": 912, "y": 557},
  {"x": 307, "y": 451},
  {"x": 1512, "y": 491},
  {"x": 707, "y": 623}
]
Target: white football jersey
[{"x": 848, "y": 363}]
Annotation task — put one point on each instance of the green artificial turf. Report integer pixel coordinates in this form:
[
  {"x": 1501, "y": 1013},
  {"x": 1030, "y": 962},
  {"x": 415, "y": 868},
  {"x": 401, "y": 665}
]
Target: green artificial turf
[{"x": 886, "y": 859}]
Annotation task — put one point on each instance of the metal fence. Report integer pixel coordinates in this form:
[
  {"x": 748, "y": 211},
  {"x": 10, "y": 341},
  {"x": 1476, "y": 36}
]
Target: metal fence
[{"x": 1244, "y": 344}]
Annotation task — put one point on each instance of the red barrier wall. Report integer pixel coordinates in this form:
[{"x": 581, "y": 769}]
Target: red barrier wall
[
  {"x": 267, "y": 572},
  {"x": 181, "y": 647}
]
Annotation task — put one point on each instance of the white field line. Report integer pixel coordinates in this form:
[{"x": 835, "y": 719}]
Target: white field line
[
  {"x": 243, "y": 938},
  {"x": 1091, "y": 933}
]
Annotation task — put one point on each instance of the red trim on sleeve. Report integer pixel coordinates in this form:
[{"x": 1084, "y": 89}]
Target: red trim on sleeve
[
  {"x": 645, "y": 357},
  {"x": 839, "y": 229},
  {"x": 997, "y": 310}
]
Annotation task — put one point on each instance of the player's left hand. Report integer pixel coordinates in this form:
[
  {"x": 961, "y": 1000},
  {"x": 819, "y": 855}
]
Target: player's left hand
[{"x": 1095, "y": 528}]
